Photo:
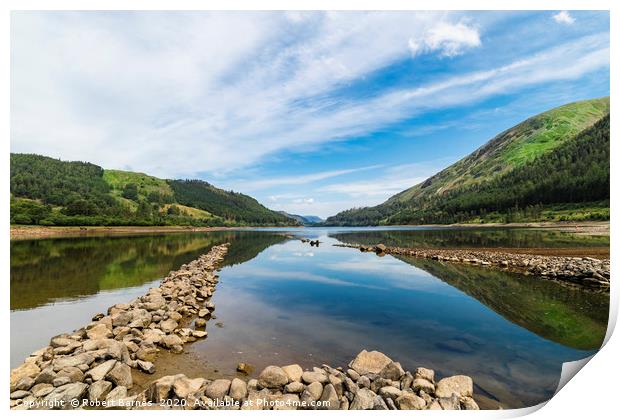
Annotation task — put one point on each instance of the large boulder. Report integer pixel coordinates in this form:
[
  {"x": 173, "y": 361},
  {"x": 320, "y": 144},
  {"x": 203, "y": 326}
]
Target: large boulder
[
  {"x": 392, "y": 371},
  {"x": 369, "y": 362},
  {"x": 410, "y": 401},
  {"x": 217, "y": 389},
  {"x": 98, "y": 331},
  {"x": 28, "y": 369},
  {"x": 238, "y": 389},
  {"x": 120, "y": 375},
  {"x": 312, "y": 393},
  {"x": 184, "y": 387},
  {"x": 329, "y": 398},
  {"x": 309, "y": 377},
  {"x": 363, "y": 399},
  {"x": 64, "y": 394},
  {"x": 272, "y": 377},
  {"x": 293, "y": 372},
  {"x": 99, "y": 390},
  {"x": 100, "y": 371},
  {"x": 461, "y": 385}
]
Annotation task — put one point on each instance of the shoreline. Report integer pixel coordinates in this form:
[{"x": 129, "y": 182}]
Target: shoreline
[
  {"x": 23, "y": 232},
  {"x": 584, "y": 271},
  {"x": 94, "y": 366}
]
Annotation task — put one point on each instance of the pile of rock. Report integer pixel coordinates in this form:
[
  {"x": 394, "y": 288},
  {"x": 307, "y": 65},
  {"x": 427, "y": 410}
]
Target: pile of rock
[
  {"x": 585, "y": 271},
  {"x": 372, "y": 381},
  {"x": 95, "y": 362}
]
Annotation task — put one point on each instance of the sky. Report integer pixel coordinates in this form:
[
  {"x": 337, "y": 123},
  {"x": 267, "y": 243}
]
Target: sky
[{"x": 309, "y": 112}]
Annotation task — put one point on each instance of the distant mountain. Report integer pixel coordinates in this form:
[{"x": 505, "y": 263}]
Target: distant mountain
[
  {"x": 304, "y": 220},
  {"x": 553, "y": 166},
  {"x": 53, "y": 192}
]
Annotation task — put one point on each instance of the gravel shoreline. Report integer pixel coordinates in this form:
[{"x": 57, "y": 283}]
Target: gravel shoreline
[
  {"x": 584, "y": 271},
  {"x": 93, "y": 366}
]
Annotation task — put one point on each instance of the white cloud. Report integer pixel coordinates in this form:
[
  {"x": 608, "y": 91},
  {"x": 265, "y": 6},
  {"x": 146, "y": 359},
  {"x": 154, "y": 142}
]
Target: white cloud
[
  {"x": 127, "y": 89},
  {"x": 564, "y": 17},
  {"x": 263, "y": 183},
  {"x": 175, "y": 94},
  {"x": 448, "y": 38}
]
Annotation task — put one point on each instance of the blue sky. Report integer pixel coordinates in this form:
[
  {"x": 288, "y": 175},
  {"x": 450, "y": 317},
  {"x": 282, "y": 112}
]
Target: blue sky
[{"x": 309, "y": 112}]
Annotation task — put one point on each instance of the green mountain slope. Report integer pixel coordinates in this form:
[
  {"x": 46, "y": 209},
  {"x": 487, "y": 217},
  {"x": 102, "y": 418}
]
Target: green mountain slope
[
  {"x": 52, "y": 192},
  {"x": 549, "y": 164}
]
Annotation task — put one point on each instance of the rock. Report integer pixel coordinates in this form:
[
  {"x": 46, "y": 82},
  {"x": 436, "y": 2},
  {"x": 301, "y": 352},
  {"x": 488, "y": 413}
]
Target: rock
[
  {"x": 293, "y": 372},
  {"x": 329, "y": 398},
  {"x": 200, "y": 323},
  {"x": 41, "y": 390},
  {"x": 344, "y": 403},
  {"x": 353, "y": 374},
  {"x": 312, "y": 393},
  {"x": 218, "y": 389},
  {"x": 199, "y": 334},
  {"x": 121, "y": 319},
  {"x": 116, "y": 395},
  {"x": 238, "y": 389},
  {"x": 450, "y": 403},
  {"x": 99, "y": 331},
  {"x": 380, "y": 248},
  {"x": 99, "y": 390},
  {"x": 461, "y": 385},
  {"x": 424, "y": 373},
  {"x": 294, "y": 387},
  {"x": 245, "y": 368},
  {"x": 28, "y": 369},
  {"x": 18, "y": 395},
  {"x": 406, "y": 380},
  {"x": 71, "y": 372},
  {"x": 468, "y": 403},
  {"x": 309, "y": 377},
  {"x": 64, "y": 394},
  {"x": 100, "y": 371},
  {"x": 72, "y": 361},
  {"x": 203, "y": 313},
  {"x": 272, "y": 377},
  {"x": 184, "y": 387},
  {"x": 363, "y": 382},
  {"x": 410, "y": 401},
  {"x": 390, "y": 392},
  {"x": 24, "y": 384},
  {"x": 145, "y": 366},
  {"x": 363, "y": 399},
  {"x": 390, "y": 404},
  {"x": 369, "y": 362},
  {"x": 160, "y": 389},
  {"x": 120, "y": 375},
  {"x": 392, "y": 371},
  {"x": 46, "y": 376},
  {"x": 171, "y": 341},
  {"x": 288, "y": 402},
  {"x": 379, "y": 404},
  {"x": 420, "y": 384},
  {"x": 61, "y": 380},
  {"x": 168, "y": 325}
]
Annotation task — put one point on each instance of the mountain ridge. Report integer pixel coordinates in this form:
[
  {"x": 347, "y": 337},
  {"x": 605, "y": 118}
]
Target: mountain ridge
[
  {"x": 50, "y": 191},
  {"x": 507, "y": 152}
]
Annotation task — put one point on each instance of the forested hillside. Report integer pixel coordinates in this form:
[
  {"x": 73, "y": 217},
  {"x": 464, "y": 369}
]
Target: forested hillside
[
  {"x": 47, "y": 191},
  {"x": 554, "y": 166}
]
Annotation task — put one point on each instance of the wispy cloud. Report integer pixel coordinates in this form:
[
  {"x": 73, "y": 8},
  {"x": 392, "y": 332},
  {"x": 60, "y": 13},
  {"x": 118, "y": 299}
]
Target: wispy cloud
[
  {"x": 564, "y": 17},
  {"x": 263, "y": 183}
]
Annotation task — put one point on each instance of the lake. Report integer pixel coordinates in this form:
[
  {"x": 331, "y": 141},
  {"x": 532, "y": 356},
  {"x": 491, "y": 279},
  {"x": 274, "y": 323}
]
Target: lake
[{"x": 281, "y": 301}]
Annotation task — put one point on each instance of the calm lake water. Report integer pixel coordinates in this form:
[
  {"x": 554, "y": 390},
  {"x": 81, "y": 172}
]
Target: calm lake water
[{"x": 280, "y": 301}]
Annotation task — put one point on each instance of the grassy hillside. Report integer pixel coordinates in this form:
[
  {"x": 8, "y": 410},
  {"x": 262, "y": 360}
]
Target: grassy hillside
[
  {"x": 49, "y": 191},
  {"x": 550, "y": 166}
]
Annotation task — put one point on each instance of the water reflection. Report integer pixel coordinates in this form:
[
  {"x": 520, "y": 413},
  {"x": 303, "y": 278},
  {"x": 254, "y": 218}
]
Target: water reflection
[
  {"x": 472, "y": 238},
  {"x": 282, "y": 301}
]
